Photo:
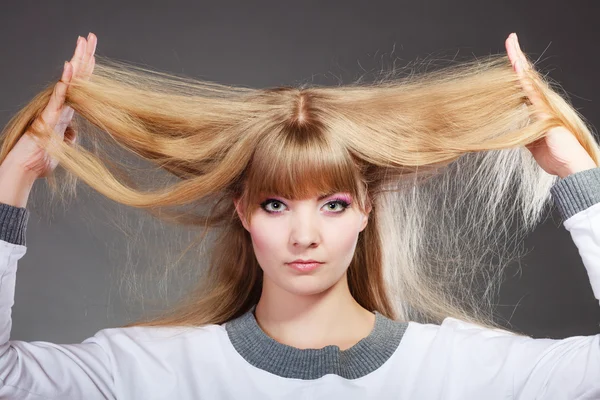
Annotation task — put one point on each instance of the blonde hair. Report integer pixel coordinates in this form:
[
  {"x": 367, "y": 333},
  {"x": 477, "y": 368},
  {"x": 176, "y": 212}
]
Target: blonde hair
[{"x": 439, "y": 156}]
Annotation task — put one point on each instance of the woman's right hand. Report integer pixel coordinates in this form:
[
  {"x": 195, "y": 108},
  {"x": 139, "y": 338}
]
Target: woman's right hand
[{"x": 27, "y": 156}]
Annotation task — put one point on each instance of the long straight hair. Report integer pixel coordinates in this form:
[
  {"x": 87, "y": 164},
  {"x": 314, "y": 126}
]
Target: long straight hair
[{"x": 438, "y": 156}]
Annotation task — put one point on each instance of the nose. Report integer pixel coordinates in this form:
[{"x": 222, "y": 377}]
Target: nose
[{"x": 304, "y": 230}]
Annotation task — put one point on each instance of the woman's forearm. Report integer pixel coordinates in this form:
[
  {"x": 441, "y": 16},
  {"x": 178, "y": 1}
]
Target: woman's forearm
[{"x": 15, "y": 185}]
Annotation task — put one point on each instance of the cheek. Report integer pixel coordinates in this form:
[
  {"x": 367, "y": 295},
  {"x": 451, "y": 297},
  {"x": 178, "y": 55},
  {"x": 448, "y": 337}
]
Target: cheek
[
  {"x": 268, "y": 239},
  {"x": 340, "y": 239}
]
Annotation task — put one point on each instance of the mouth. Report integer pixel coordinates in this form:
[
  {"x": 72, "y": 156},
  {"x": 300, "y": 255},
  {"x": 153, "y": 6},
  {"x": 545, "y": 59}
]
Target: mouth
[{"x": 305, "y": 266}]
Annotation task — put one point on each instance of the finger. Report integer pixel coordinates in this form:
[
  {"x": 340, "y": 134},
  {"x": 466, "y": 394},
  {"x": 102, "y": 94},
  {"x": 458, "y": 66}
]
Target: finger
[
  {"x": 89, "y": 59},
  {"x": 89, "y": 68},
  {"x": 523, "y": 69},
  {"x": 515, "y": 58},
  {"x": 71, "y": 134},
  {"x": 65, "y": 116},
  {"x": 68, "y": 113},
  {"x": 51, "y": 112},
  {"x": 521, "y": 55},
  {"x": 511, "y": 50},
  {"x": 78, "y": 55}
]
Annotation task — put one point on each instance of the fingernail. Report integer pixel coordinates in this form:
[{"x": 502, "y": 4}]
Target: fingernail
[{"x": 89, "y": 35}]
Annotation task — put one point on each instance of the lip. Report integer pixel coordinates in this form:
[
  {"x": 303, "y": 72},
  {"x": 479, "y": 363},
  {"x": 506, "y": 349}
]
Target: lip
[
  {"x": 304, "y": 265},
  {"x": 299, "y": 261}
]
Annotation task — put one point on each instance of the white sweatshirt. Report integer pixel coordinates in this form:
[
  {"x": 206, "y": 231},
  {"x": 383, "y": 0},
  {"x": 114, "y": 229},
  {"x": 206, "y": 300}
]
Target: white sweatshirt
[{"x": 237, "y": 360}]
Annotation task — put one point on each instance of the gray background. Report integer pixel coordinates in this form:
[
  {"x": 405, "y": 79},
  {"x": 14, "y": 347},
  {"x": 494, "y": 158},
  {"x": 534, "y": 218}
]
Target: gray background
[{"x": 65, "y": 286}]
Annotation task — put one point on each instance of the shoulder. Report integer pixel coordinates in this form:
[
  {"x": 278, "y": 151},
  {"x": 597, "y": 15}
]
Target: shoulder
[
  {"x": 456, "y": 358},
  {"x": 460, "y": 343},
  {"x": 136, "y": 356},
  {"x": 469, "y": 360},
  {"x": 455, "y": 329},
  {"x": 132, "y": 341},
  {"x": 456, "y": 351},
  {"x": 468, "y": 346}
]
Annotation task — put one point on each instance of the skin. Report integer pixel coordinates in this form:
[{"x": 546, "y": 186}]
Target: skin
[
  {"x": 26, "y": 162},
  {"x": 308, "y": 309},
  {"x": 304, "y": 310},
  {"x": 315, "y": 310},
  {"x": 559, "y": 152}
]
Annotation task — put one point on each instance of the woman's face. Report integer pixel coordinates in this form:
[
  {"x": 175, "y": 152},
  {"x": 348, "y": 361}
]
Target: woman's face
[{"x": 321, "y": 229}]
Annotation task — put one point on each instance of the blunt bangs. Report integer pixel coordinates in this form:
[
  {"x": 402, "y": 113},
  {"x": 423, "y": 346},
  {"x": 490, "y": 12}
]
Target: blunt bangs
[{"x": 300, "y": 162}]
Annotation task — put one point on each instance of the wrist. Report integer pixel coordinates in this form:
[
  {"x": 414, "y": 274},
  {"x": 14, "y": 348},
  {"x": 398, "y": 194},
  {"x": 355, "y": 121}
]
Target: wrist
[
  {"x": 576, "y": 167},
  {"x": 15, "y": 185}
]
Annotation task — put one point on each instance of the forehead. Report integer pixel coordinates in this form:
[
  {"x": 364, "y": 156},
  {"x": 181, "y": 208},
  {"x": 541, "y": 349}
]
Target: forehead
[
  {"x": 303, "y": 173},
  {"x": 300, "y": 162},
  {"x": 301, "y": 186}
]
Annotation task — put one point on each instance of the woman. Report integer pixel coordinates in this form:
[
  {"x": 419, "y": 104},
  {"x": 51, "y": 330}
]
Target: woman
[{"x": 353, "y": 222}]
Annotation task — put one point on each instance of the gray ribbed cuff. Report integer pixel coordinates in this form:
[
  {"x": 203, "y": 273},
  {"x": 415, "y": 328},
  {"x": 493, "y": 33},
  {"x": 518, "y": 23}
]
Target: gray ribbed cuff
[
  {"x": 577, "y": 192},
  {"x": 13, "y": 223}
]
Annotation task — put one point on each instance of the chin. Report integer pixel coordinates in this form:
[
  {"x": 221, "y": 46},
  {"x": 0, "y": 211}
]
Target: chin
[{"x": 306, "y": 285}]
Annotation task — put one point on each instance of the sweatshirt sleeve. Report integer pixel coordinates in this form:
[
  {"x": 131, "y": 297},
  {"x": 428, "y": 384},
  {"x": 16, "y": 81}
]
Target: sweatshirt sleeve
[
  {"x": 578, "y": 199},
  {"x": 42, "y": 370},
  {"x": 567, "y": 368}
]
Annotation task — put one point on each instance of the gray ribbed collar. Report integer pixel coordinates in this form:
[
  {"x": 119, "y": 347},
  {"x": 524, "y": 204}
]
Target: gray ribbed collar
[{"x": 262, "y": 351}]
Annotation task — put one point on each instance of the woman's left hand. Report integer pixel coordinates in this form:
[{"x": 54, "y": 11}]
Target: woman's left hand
[{"x": 558, "y": 152}]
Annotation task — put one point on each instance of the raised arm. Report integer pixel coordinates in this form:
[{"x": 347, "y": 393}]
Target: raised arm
[
  {"x": 578, "y": 199},
  {"x": 42, "y": 370},
  {"x": 567, "y": 368},
  {"x": 500, "y": 364}
]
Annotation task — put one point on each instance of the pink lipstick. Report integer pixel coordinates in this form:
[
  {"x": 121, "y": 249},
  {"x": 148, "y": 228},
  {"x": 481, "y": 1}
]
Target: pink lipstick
[{"x": 304, "y": 265}]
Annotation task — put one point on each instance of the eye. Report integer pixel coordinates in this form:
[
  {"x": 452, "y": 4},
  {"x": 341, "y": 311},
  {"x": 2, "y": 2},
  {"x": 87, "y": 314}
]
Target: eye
[
  {"x": 275, "y": 204},
  {"x": 331, "y": 205}
]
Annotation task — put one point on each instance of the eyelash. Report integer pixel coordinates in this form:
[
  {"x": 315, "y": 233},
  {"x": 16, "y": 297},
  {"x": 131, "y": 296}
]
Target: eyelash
[{"x": 343, "y": 203}]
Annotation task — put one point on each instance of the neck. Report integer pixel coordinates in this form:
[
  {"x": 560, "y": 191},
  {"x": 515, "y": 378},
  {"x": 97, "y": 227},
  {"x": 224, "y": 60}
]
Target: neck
[{"x": 332, "y": 317}]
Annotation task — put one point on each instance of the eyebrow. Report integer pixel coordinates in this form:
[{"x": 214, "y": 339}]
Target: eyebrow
[
  {"x": 329, "y": 194},
  {"x": 326, "y": 195}
]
